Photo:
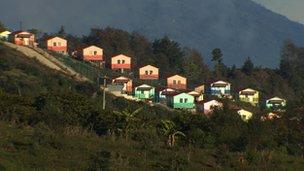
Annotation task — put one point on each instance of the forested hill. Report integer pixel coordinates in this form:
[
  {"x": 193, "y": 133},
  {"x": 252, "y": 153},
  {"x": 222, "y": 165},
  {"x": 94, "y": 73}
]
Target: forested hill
[{"x": 241, "y": 28}]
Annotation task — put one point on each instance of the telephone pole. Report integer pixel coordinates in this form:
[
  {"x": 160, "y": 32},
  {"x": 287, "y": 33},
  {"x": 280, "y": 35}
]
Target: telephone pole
[{"x": 104, "y": 91}]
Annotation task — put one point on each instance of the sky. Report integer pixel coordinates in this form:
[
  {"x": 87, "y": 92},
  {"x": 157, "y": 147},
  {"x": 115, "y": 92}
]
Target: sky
[{"x": 293, "y": 9}]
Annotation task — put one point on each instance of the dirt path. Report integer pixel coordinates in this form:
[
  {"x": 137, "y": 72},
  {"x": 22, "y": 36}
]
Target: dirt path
[{"x": 48, "y": 60}]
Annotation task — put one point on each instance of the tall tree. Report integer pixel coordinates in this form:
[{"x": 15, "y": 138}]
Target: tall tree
[
  {"x": 248, "y": 66},
  {"x": 219, "y": 67},
  {"x": 62, "y": 31},
  {"x": 172, "y": 51},
  {"x": 217, "y": 56},
  {"x": 194, "y": 67}
]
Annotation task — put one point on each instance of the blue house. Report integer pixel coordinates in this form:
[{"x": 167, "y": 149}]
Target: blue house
[{"x": 220, "y": 89}]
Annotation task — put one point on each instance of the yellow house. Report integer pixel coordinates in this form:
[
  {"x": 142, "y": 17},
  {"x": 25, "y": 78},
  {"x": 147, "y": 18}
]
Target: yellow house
[
  {"x": 245, "y": 115},
  {"x": 250, "y": 96},
  {"x": 198, "y": 96},
  {"x": 5, "y": 35}
]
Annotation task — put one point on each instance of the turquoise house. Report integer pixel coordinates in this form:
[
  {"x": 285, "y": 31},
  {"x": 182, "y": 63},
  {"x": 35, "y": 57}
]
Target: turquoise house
[
  {"x": 145, "y": 92},
  {"x": 275, "y": 103},
  {"x": 181, "y": 101}
]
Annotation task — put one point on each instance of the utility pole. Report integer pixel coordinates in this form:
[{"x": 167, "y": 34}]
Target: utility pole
[
  {"x": 104, "y": 92},
  {"x": 20, "y": 25}
]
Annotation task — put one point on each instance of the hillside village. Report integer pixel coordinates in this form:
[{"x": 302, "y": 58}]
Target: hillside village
[
  {"x": 114, "y": 100},
  {"x": 175, "y": 94}
]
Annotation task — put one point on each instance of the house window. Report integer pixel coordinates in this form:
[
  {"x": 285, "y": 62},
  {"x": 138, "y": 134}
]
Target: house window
[
  {"x": 147, "y": 73},
  {"x": 151, "y": 72},
  {"x": 118, "y": 61},
  {"x": 95, "y": 52},
  {"x": 179, "y": 82},
  {"x": 123, "y": 61},
  {"x": 180, "y": 100},
  {"x": 185, "y": 100},
  {"x": 54, "y": 44},
  {"x": 59, "y": 43},
  {"x": 142, "y": 92},
  {"x": 174, "y": 82}
]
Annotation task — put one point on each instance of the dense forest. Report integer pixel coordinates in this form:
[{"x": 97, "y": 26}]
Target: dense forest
[{"x": 48, "y": 121}]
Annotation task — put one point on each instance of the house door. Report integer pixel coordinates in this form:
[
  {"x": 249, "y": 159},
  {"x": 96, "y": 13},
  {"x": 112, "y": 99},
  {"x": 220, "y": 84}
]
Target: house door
[{"x": 26, "y": 41}]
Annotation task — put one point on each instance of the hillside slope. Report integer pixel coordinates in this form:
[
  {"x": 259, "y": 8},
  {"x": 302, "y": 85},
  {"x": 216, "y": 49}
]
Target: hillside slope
[
  {"x": 23, "y": 75},
  {"x": 240, "y": 27},
  {"x": 47, "y": 60}
]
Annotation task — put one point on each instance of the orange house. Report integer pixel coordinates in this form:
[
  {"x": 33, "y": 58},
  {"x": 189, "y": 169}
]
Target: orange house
[
  {"x": 57, "y": 44},
  {"x": 148, "y": 72},
  {"x": 177, "y": 82},
  {"x": 23, "y": 38},
  {"x": 121, "y": 62},
  {"x": 126, "y": 82},
  {"x": 92, "y": 53}
]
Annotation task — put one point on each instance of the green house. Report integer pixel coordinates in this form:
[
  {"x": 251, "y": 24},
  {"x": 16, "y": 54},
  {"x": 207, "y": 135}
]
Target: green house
[
  {"x": 181, "y": 101},
  {"x": 145, "y": 92}
]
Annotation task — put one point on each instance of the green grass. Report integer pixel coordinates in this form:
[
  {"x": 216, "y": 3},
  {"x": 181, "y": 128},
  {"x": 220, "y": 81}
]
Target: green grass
[{"x": 27, "y": 148}]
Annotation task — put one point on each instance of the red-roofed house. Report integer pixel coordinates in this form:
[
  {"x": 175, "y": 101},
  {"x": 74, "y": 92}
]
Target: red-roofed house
[
  {"x": 121, "y": 62},
  {"x": 57, "y": 44},
  {"x": 177, "y": 82},
  {"x": 148, "y": 72},
  {"x": 92, "y": 53}
]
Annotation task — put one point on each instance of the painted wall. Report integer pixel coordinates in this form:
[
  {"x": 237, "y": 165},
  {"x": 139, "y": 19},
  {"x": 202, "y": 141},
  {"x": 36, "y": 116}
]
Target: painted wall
[
  {"x": 121, "y": 62},
  {"x": 148, "y": 72},
  {"x": 253, "y": 99},
  {"x": 92, "y": 53},
  {"x": 183, "y": 101},
  {"x": 146, "y": 94},
  {"x": 57, "y": 44},
  {"x": 177, "y": 82}
]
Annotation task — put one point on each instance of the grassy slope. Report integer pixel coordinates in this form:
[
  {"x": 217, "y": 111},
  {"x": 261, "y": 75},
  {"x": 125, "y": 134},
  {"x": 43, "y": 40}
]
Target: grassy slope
[
  {"x": 28, "y": 148},
  {"x": 20, "y": 75}
]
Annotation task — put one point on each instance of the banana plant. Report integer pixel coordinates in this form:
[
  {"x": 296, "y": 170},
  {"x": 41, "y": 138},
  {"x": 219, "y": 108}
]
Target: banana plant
[{"x": 169, "y": 130}]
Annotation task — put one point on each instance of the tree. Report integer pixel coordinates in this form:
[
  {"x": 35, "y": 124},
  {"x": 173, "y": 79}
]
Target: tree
[
  {"x": 248, "y": 66},
  {"x": 61, "y": 31},
  {"x": 129, "y": 119},
  {"x": 172, "y": 52},
  {"x": 194, "y": 67},
  {"x": 219, "y": 67},
  {"x": 217, "y": 56},
  {"x": 169, "y": 130},
  {"x": 2, "y": 27}
]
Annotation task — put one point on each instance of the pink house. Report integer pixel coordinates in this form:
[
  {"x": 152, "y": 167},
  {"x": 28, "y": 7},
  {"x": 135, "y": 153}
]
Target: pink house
[
  {"x": 92, "y": 53},
  {"x": 121, "y": 62},
  {"x": 177, "y": 82},
  {"x": 210, "y": 106},
  {"x": 57, "y": 44},
  {"x": 148, "y": 72},
  {"x": 23, "y": 38}
]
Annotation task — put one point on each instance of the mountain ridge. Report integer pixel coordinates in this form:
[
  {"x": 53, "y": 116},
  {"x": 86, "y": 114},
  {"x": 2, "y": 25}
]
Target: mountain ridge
[{"x": 240, "y": 28}]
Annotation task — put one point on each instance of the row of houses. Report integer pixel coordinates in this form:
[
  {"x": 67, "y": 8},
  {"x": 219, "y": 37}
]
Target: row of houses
[
  {"x": 176, "y": 93},
  {"x": 177, "y": 98}
]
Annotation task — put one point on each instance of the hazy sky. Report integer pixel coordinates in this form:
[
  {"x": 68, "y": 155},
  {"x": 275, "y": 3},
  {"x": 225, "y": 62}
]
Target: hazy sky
[{"x": 293, "y": 9}]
